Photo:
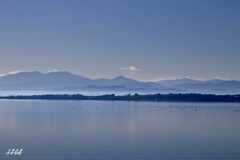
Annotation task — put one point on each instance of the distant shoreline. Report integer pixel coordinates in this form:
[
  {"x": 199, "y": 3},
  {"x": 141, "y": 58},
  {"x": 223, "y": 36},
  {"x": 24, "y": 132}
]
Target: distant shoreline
[{"x": 136, "y": 97}]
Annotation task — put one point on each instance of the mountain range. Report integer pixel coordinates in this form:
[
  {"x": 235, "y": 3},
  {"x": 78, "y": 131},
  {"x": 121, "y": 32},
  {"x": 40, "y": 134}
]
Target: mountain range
[{"x": 66, "y": 81}]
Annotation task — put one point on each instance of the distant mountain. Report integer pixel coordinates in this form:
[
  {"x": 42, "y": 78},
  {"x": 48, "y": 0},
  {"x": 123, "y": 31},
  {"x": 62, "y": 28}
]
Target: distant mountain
[
  {"x": 20, "y": 78},
  {"x": 216, "y": 81},
  {"x": 216, "y": 87},
  {"x": 63, "y": 80},
  {"x": 65, "y": 76},
  {"x": 127, "y": 83},
  {"x": 40, "y": 81},
  {"x": 120, "y": 80},
  {"x": 131, "y": 83},
  {"x": 66, "y": 81},
  {"x": 170, "y": 83}
]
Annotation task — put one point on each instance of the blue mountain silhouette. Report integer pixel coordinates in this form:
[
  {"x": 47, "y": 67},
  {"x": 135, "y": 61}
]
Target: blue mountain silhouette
[{"x": 69, "y": 81}]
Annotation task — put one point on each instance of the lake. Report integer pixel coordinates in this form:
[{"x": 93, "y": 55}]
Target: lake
[{"x": 119, "y": 130}]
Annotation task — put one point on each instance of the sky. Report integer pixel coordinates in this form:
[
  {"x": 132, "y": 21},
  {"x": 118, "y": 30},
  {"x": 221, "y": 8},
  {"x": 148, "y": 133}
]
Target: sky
[{"x": 141, "y": 39}]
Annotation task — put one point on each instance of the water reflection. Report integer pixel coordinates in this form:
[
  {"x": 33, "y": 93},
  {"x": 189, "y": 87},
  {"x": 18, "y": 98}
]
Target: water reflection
[{"x": 119, "y": 130}]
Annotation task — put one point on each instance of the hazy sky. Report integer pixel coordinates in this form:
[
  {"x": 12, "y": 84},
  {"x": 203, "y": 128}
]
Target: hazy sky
[{"x": 143, "y": 39}]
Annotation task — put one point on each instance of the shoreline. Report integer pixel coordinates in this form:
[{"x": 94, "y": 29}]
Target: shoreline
[{"x": 192, "y": 97}]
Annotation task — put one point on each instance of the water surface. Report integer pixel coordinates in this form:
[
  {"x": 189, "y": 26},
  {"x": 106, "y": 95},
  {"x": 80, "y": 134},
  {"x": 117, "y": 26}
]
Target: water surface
[{"x": 119, "y": 130}]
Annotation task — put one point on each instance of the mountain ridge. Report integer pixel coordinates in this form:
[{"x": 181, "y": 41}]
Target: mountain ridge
[{"x": 68, "y": 81}]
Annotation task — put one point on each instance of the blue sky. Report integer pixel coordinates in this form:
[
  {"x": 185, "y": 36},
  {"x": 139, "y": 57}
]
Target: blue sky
[{"x": 142, "y": 39}]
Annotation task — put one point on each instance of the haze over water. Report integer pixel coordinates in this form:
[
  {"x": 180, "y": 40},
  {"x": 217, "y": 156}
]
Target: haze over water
[
  {"x": 94, "y": 47},
  {"x": 104, "y": 130}
]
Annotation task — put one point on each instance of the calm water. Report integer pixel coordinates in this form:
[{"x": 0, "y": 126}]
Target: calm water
[{"x": 113, "y": 130}]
